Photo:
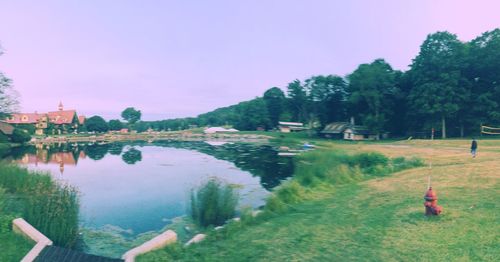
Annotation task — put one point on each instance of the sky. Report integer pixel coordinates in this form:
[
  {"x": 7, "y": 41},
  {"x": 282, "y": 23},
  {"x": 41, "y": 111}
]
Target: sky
[{"x": 183, "y": 58}]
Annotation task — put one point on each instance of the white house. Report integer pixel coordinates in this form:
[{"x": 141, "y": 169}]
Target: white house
[
  {"x": 218, "y": 129},
  {"x": 287, "y": 127}
]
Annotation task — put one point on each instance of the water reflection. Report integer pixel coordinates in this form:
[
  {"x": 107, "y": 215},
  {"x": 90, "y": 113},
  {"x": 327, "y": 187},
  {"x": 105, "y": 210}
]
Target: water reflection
[
  {"x": 260, "y": 160},
  {"x": 132, "y": 156},
  {"x": 139, "y": 187}
]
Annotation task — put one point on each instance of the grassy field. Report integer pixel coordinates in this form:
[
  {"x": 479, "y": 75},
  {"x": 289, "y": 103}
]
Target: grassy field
[{"x": 378, "y": 219}]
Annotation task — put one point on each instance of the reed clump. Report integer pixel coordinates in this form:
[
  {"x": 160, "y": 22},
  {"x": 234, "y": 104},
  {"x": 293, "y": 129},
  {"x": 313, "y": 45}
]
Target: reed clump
[
  {"x": 213, "y": 203},
  {"x": 49, "y": 206}
]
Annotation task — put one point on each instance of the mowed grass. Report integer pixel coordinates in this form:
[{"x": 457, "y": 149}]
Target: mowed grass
[
  {"x": 13, "y": 247},
  {"x": 379, "y": 219}
]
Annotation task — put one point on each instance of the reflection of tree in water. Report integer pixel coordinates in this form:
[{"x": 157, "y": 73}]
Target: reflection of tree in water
[
  {"x": 96, "y": 151},
  {"x": 132, "y": 156},
  {"x": 116, "y": 148},
  {"x": 260, "y": 160}
]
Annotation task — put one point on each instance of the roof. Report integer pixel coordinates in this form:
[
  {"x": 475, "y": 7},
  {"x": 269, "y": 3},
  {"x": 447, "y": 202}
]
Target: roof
[
  {"x": 341, "y": 127},
  {"x": 62, "y": 117},
  {"x": 24, "y": 118},
  {"x": 6, "y": 128},
  {"x": 335, "y": 128},
  {"x": 215, "y": 129},
  {"x": 81, "y": 120},
  {"x": 291, "y": 124}
]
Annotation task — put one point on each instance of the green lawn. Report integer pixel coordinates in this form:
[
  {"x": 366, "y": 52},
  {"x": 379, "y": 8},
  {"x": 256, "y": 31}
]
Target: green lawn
[
  {"x": 380, "y": 219},
  {"x": 13, "y": 247}
]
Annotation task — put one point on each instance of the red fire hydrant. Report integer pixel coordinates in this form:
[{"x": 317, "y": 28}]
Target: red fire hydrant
[{"x": 431, "y": 207}]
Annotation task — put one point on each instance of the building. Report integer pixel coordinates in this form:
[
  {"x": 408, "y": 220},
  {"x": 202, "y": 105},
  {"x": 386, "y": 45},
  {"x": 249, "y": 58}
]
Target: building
[
  {"x": 287, "y": 127},
  {"x": 55, "y": 122},
  {"x": 213, "y": 130},
  {"x": 348, "y": 131}
]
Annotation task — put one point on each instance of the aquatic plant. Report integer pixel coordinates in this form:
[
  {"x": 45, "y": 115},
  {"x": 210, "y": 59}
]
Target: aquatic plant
[
  {"x": 49, "y": 206},
  {"x": 213, "y": 203}
]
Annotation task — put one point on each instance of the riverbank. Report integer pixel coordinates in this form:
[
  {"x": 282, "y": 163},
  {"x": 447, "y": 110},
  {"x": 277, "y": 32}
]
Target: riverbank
[
  {"x": 379, "y": 219},
  {"x": 49, "y": 206},
  {"x": 151, "y": 136},
  {"x": 13, "y": 246}
]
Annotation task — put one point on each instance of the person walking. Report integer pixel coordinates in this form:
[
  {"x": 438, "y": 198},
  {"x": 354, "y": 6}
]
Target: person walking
[{"x": 473, "y": 148}]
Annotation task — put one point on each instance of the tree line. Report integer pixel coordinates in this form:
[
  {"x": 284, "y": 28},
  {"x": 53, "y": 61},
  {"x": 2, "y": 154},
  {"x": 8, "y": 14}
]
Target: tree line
[{"x": 451, "y": 86}]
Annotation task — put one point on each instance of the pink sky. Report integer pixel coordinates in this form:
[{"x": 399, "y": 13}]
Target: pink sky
[{"x": 182, "y": 58}]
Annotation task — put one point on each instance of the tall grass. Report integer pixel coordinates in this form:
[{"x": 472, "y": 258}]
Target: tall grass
[
  {"x": 213, "y": 203},
  {"x": 326, "y": 168},
  {"x": 49, "y": 206}
]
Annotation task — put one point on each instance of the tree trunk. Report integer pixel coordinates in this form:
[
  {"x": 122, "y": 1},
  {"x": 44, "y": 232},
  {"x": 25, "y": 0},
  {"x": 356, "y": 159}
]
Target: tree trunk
[
  {"x": 462, "y": 130},
  {"x": 443, "y": 127}
]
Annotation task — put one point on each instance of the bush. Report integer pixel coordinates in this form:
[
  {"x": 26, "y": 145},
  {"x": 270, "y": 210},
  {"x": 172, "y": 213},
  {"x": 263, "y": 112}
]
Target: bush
[
  {"x": 336, "y": 167},
  {"x": 401, "y": 163},
  {"x": 20, "y": 136},
  {"x": 288, "y": 193},
  {"x": 213, "y": 203},
  {"x": 3, "y": 138},
  {"x": 369, "y": 160}
]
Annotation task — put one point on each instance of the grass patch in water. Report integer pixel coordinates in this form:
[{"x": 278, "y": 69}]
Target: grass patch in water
[{"x": 213, "y": 203}]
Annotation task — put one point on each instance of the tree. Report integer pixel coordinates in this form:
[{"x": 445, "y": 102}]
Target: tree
[
  {"x": 131, "y": 115},
  {"x": 20, "y": 136},
  {"x": 482, "y": 72},
  {"x": 327, "y": 95},
  {"x": 96, "y": 124},
  {"x": 115, "y": 124},
  {"x": 372, "y": 88},
  {"x": 298, "y": 101},
  {"x": 253, "y": 114},
  {"x": 8, "y": 97},
  {"x": 275, "y": 103},
  {"x": 438, "y": 82}
]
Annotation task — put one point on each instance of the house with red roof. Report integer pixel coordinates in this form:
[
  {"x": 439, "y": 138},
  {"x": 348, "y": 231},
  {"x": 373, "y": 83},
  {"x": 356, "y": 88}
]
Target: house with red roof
[{"x": 55, "y": 122}]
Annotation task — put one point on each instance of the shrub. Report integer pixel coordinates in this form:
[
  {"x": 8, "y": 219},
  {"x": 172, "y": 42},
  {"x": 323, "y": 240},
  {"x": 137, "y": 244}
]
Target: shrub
[
  {"x": 369, "y": 160},
  {"x": 335, "y": 167},
  {"x": 290, "y": 192},
  {"x": 20, "y": 136},
  {"x": 401, "y": 163},
  {"x": 3, "y": 138},
  {"x": 213, "y": 203}
]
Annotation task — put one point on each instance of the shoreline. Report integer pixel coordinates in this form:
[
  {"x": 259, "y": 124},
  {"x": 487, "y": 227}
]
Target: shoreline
[{"x": 150, "y": 137}]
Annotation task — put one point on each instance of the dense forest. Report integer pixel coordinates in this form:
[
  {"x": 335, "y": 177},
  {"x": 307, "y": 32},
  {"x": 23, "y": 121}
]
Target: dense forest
[{"x": 451, "y": 86}]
